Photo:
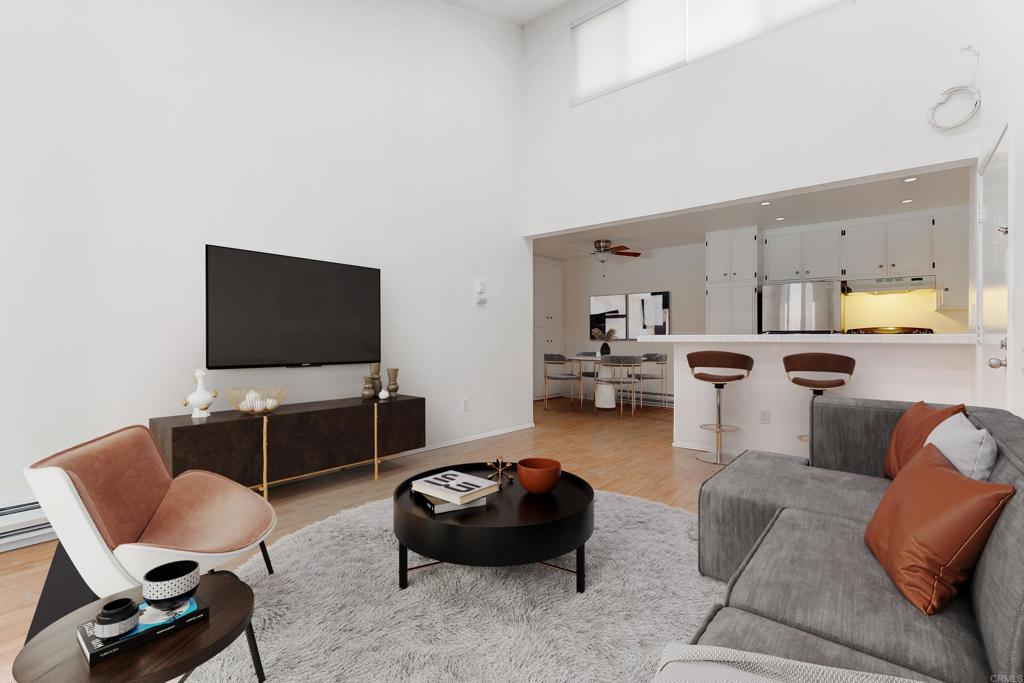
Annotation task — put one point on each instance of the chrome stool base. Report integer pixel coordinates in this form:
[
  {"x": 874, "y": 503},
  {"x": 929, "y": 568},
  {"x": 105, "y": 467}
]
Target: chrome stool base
[{"x": 717, "y": 457}]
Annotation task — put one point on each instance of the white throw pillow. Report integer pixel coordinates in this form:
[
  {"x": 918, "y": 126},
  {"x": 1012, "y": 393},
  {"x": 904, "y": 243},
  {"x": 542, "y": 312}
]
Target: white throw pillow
[{"x": 972, "y": 451}]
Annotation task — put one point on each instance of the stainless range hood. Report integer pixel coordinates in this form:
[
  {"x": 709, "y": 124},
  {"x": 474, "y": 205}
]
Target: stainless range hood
[{"x": 889, "y": 285}]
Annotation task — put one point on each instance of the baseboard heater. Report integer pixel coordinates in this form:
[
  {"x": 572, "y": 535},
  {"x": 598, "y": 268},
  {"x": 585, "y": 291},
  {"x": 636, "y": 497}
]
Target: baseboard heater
[{"x": 20, "y": 527}]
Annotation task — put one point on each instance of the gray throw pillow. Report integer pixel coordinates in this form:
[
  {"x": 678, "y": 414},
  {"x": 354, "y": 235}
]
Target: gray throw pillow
[{"x": 972, "y": 451}]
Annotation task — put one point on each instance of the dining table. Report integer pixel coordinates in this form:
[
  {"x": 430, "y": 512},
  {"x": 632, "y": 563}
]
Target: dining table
[{"x": 604, "y": 394}]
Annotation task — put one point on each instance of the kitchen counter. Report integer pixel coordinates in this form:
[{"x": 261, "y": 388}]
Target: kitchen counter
[
  {"x": 771, "y": 411},
  {"x": 964, "y": 339}
]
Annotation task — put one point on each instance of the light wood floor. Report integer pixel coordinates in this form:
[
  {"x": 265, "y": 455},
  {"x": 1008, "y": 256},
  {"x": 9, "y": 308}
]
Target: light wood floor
[{"x": 631, "y": 455}]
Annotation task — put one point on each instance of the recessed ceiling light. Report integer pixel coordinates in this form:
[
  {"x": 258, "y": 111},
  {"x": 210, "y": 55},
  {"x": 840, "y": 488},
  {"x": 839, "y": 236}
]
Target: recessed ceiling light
[
  {"x": 766, "y": 203},
  {"x": 780, "y": 218},
  {"x": 912, "y": 179},
  {"x": 906, "y": 201}
]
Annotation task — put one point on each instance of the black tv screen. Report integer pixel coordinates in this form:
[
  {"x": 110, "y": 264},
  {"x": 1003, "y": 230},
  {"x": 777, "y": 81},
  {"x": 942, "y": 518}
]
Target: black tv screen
[{"x": 264, "y": 310}]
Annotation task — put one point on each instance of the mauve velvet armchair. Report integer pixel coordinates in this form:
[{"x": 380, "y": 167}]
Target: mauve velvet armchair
[{"x": 118, "y": 513}]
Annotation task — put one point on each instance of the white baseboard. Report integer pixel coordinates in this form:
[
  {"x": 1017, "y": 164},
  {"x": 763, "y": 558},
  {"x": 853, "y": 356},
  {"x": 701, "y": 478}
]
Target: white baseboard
[
  {"x": 701, "y": 447},
  {"x": 466, "y": 439},
  {"x": 27, "y": 538}
]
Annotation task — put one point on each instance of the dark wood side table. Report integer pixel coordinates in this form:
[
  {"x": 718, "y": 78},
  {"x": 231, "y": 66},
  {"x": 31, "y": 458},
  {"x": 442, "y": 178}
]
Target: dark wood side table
[
  {"x": 54, "y": 655},
  {"x": 515, "y": 527}
]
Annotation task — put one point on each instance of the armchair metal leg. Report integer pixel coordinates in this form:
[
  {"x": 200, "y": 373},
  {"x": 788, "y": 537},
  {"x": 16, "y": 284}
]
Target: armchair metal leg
[{"x": 266, "y": 557}]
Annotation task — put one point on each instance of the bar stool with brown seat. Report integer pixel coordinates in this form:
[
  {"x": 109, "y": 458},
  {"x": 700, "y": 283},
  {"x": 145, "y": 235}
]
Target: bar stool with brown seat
[
  {"x": 729, "y": 368},
  {"x": 818, "y": 363}
]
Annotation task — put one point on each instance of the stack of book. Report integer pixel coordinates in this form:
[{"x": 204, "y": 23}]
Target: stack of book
[
  {"x": 153, "y": 623},
  {"x": 450, "y": 491}
]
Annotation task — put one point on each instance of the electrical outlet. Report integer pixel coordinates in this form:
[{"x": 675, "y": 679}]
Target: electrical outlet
[
  {"x": 465, "y": 405},
  {"x": 766, "y": 417}
]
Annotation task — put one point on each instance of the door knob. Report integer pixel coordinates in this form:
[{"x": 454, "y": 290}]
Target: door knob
[
  {"x": 996, "y": 363},
  {"x": 893, "y": 265},
  {"x": 807, "y": 272},
  {"x": 881, "y": 265}
]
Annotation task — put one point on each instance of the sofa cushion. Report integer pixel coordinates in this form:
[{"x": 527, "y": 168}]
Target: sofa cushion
[
  {"x": 738, "y": 503},
  {"x": 812, "y": 571},
  {"x": 971, "y": 450},
  {"x": 997, "y": 584},
  {"x": 931, "y": 527},
  {"x": 731, "y": 627},
  {"x": 911, "y": 432}
]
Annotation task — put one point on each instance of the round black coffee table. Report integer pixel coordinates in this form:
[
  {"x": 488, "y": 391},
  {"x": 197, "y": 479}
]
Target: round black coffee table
[{"x": 515, "y": 527}]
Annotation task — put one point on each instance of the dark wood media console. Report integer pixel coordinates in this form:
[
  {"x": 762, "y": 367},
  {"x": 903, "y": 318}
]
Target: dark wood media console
[{"x": 296, "y": 441}]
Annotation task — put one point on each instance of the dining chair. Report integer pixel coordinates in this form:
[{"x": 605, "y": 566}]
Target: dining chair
[
  {"x": 554, "y": 370},
  {"x": 590, "y": 374},
  {"x": 660, "y": 363},
  {"x": 621, "y": 373}
]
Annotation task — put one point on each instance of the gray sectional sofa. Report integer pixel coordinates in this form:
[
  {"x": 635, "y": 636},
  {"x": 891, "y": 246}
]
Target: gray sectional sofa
[{"x": 788, "y": 535}]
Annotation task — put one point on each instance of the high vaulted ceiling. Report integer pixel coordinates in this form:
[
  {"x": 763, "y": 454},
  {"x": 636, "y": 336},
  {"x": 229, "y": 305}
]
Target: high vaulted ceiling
[
  {"x": 517, "y": 11},
  {"x": 861, "y": 200}
]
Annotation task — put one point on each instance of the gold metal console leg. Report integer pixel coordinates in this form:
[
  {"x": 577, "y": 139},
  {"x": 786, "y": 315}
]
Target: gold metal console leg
[
  {"x": 266, "y": 490},
  {"x": 376, "y": 441}
]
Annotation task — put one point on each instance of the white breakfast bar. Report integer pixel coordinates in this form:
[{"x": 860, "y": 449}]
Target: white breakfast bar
[{"x": 904, "y": 367}]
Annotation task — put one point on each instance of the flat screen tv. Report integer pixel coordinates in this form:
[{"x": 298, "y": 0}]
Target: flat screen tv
[{"x": 264, "y": 310}]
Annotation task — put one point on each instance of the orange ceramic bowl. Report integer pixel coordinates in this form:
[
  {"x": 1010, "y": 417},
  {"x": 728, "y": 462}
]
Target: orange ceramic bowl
[{"x": 538, "y": 475}]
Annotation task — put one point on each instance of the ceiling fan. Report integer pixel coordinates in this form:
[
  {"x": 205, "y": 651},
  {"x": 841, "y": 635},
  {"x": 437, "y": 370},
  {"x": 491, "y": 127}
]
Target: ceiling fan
[{"x": 603, "y": 250}]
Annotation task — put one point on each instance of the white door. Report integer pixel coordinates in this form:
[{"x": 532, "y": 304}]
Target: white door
[
  {"x": 992, "y": 298},
  {"x": 782, "y": 259},
  {"x": 864, "y": 251},
  {"x": 717, "y": 259},
  {"x": 952, "y": 260},
  {"x": 741, "y": 309},
  {"x": 743, "y": 253},
  {"x": 908, "y": 246},
  {"x": 718, "y": 320},
  {"x": 823, "y": 254}
]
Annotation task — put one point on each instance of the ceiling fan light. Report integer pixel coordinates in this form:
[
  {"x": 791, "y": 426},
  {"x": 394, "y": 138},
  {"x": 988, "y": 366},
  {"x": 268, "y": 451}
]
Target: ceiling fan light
[{"x": 602, "y": 256}]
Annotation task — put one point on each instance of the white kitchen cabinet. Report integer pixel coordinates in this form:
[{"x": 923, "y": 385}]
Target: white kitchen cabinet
[
  {"x": 547, "y": 293},
  {"x": 731, "y": 256},
  {"x": 742, "y": 309},
  {"x": 908, "y": 247},
  {"x": 718, "y": 259},
  {"x": 823, "y": 253},
  {"x": 719, "y": 301},
  {"x": 951, "y": 240},
  {"x": 783, "y": 258},
  {"x": 743, "y": 257},
  {"x": 864, "y": 251},
  {"x": 732, "y": 308}
]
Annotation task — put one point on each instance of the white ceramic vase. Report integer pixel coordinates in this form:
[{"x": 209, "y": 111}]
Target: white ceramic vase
[{"x": 200, "y": 399}]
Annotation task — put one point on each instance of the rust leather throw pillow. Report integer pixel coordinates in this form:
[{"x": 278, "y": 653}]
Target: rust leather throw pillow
[
  {"x": 911, "y": 431},
  {"x": 931, "y": 526}
]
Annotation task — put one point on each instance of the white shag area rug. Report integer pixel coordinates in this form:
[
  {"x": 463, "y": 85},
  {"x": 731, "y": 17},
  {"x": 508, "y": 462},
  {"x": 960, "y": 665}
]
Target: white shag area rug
[{"x": 333, "y": 610}]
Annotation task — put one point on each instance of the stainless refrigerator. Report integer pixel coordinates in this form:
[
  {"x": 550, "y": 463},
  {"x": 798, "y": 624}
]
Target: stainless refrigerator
[{"x": 802, "y": 307}]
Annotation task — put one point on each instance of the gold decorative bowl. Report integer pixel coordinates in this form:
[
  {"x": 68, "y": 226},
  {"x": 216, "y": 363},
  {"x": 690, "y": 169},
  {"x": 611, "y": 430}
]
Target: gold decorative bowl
[{"x": 258, "y": 401}]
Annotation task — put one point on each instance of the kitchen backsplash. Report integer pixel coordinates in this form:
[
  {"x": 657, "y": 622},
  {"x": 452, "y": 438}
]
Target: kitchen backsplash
[{"x": 912, "y": 309}]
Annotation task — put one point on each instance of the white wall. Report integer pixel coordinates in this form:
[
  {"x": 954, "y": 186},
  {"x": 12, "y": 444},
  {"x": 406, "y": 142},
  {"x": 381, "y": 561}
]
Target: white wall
[
  {"x": 375, "y": 132},
  {"x": 677, "y": 270},
  {"x": 841, "y": 94}
]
